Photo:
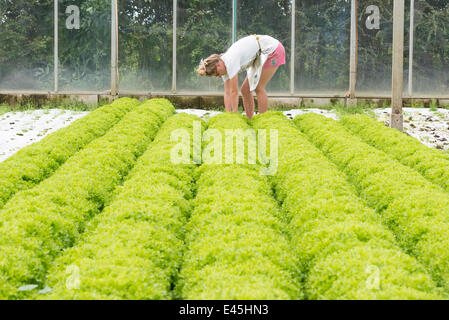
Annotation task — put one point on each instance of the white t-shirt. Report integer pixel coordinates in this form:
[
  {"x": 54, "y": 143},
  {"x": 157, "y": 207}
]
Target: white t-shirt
[{"x": 243, "y": 52}]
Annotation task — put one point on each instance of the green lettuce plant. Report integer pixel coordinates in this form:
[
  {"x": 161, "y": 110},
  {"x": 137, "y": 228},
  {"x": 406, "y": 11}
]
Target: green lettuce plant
[{"x": 235, "y": 244}]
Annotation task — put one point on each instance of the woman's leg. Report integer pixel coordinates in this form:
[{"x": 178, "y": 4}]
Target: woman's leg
[
  {"x": 248, "y": 99},
  {"x": 262, "y": 99}
]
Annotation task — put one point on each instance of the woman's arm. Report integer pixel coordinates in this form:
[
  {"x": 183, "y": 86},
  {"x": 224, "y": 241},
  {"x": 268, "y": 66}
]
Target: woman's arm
[
  {"x": 227, "y": 96},
  {"x": 231, "y": 96}
]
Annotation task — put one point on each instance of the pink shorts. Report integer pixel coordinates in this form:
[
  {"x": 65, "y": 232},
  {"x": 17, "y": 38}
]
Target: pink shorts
[{"x": 275, "y": 59}]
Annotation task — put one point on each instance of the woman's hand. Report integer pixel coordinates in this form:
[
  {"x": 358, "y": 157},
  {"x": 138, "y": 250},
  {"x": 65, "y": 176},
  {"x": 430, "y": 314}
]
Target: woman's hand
[{"x": 231, "y": 96}]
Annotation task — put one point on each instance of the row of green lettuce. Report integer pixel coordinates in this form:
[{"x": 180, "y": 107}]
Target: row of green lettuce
[
  {"x": 431, "y": 163},
  {"x": 35, "y": 163},
  {"x": 133, "y": 249},
  {"x": 414, "y": 209},
  {"x": 344, "y": 251},
  {"x": 235, "y": 244},
  {"x": 37, "y": 224}
]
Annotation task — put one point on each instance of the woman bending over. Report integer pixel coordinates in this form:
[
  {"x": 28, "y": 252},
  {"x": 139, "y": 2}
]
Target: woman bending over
[{"x": 260, "y": 56}]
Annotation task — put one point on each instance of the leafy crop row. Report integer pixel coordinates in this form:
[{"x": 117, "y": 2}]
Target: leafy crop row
[
  {"x": 38, "y": 161},
  {"x": 36, "y": 224},
  {"x": 416, "y": 210},
  {"x": 133, "y": 249},
  {"x": 236, "y": 248},
  {"x": 432, "y": 164},
  {"x": 344, "y": 251}
]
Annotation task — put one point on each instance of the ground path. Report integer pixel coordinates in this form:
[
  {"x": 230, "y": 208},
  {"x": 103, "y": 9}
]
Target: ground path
[{"x": 19, "y": 129}]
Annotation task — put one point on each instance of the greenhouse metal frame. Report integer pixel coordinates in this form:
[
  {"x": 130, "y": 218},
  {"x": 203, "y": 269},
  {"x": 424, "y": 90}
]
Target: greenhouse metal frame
[{"x": 352, "y": 92}]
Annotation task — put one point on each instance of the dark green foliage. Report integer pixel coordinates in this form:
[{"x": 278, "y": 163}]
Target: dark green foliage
[
  {"x": 205, "y": 27},
  {"x": 145, "y": 44},
  {"x": 26, "y": 44}
]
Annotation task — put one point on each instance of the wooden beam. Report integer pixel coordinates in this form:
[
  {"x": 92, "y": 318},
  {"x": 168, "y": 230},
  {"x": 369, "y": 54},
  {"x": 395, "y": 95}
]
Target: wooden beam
[{"x": 397, "y": 118}]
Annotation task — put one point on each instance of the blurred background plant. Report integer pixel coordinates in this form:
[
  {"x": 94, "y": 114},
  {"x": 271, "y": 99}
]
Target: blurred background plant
[{"x": 204, "y": 27}]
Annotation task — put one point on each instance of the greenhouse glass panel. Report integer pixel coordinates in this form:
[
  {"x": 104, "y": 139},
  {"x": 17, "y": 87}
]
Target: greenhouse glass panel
[
  {"x": 84, "y": 45},
  {"x": 203, "y": 28},
  {"x": 322, "y": 46},
  {"x": 26, "y": 45},
  {"x": 375, "y": 45},
  {"x": 431, "y": 48},
  {"x": 145, "y": 45},
  {"x": 271, "y": 18}
]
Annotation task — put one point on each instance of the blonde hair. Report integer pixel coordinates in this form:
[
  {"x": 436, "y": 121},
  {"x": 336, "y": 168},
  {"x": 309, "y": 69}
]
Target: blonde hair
[{"x": 208, "y": 67}]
